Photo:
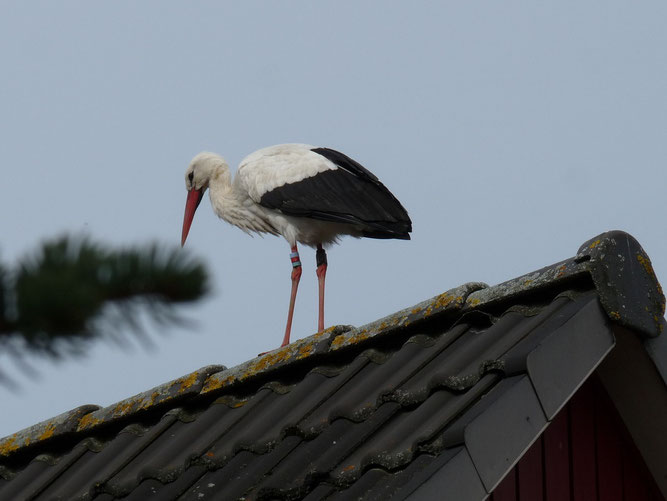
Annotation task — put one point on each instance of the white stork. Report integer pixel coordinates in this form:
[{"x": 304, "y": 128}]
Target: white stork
[{"x": 306, "y": 194}]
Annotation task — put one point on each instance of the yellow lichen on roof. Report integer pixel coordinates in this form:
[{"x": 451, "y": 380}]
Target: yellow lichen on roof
[
  {"x": 305, "y": 351},
  {"x": 328, "y": 330},
  {"x": 123, "y": 408},
  {"x": 648, "y": 267},
  {"x": 188, "y": 381},
  {"x": 8, "y": 445},
  {"x": 646, "y": 264},
  {"x": 445, "y": 299},
  {"x": 594, "y": 244},
  {"x": 87, "y": 421},
  {"x": 266, "y": 361},
  {"x": 353, "y": 339},
  {"x": 474, "y": 301},
  {"x": 251, "y": 369},
  {"x": 48, "y": 431},
  {"x": 150, "y": 401},
  {"x": 214, "y": 383}
]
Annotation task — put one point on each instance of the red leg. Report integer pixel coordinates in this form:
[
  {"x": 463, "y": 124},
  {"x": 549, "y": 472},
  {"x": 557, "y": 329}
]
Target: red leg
[
  {"x": 296, "y": 276},
  {"x": 321, "y": 257}
]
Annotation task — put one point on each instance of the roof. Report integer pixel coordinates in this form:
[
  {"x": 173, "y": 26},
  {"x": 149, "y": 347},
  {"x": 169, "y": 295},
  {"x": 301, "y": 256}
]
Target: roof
[{"x": 405, "y": 406}]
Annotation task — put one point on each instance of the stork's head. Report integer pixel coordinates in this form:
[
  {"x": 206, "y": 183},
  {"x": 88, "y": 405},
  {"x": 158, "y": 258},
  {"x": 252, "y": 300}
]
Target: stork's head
[{"x": 204, "y": 167}]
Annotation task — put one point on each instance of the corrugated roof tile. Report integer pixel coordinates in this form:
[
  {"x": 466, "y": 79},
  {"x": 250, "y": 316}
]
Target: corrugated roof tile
[
  {"x": 45, "y": 431},
  {"x": 160, "y": 396},
  {"x": 35, "y": 474}
]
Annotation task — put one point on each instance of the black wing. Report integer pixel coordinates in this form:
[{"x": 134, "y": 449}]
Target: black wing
[{"x": 349, "y": 194}]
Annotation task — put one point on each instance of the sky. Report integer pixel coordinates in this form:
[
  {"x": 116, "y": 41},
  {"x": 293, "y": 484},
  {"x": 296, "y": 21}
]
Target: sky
[{"x": 512, "y": 132}]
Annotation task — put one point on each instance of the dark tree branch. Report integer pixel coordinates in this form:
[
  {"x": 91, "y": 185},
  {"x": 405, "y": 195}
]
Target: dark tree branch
[{"x": 63, "y": 292}]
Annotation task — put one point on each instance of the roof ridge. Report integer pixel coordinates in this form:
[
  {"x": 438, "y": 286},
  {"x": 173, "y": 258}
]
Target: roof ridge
[{"x": 614, "y": 261}]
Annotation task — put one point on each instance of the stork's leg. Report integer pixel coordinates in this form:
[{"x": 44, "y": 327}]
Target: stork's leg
[
  {"x": 296, "y": 276},
  {"x": 321, "y": 258}
]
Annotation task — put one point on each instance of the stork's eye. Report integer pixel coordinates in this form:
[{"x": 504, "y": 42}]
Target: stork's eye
[{"x": 191, "y": 176}]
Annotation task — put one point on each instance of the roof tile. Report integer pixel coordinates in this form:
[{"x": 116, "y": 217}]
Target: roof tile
[
  {"x": 164, "y": 394},
  {"x": 62, "y": 424}
]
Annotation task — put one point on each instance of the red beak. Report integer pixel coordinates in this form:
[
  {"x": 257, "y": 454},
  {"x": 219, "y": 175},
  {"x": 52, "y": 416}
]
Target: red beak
[{"x": 191, "y": 204}]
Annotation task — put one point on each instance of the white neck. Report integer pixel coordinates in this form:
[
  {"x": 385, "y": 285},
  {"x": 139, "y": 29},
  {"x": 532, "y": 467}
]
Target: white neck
[
  {"x": 235, "y": 206},
  {"x": 222, "y": 194}
]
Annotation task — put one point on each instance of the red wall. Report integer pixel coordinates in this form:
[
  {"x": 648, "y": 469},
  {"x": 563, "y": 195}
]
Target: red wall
[{"x": 585, "y": 454}]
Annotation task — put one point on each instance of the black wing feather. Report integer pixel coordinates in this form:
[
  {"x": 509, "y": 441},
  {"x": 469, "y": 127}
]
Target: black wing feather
[{"x": 350, "y": 194}]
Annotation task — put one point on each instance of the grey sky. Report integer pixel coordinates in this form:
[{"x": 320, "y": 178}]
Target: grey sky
[{"x": 511, "y": 131}]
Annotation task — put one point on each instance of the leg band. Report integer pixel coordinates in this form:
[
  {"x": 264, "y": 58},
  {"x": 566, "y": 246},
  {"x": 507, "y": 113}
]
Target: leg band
[{"x": 294, "y": 257}]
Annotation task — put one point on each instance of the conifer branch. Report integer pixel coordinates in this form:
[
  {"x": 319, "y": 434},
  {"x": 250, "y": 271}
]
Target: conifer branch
[{"x": 61, "y": 292}]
